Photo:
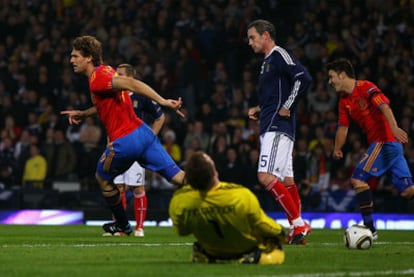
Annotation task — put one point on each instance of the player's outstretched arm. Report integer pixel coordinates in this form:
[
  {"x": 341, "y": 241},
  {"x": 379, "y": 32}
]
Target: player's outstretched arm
[
  {"x": 136, "y": 86},
  {"x": 76, "y": 116}
]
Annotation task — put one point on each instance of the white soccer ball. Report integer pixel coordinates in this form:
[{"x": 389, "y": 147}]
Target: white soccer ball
[{"x": 358, "y": 237}]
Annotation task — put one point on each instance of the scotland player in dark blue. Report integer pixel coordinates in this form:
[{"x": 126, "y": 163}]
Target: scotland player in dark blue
[{"x": 282, "y": 81}]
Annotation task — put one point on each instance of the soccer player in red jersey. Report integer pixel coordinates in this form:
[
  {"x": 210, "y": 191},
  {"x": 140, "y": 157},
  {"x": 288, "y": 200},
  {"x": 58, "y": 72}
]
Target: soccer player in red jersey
[
  {"x": 130, "y": 139},
  {"x": 134, "y": 177},
  {"x": 367, "y": 105}
]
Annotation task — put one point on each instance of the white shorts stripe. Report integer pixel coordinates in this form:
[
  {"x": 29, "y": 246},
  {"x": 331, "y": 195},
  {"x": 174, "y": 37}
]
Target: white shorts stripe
[{"x": 273, "y": 153}]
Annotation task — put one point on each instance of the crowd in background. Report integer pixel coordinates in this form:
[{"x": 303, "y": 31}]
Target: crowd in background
[{"x": 197, "y": 50}]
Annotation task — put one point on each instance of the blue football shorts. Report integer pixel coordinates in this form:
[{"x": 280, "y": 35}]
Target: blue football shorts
[
  {"x": 141, "y": 145},
  {"x": 383, "y": 157}
]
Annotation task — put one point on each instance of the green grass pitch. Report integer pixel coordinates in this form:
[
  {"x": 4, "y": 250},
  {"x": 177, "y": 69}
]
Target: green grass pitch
[{"x": 79, "y": 250}]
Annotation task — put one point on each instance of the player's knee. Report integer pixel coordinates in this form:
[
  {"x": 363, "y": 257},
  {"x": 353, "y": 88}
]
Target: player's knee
[
  {"x": 288, "y": 181},
  {"x": 121, "y": 187},
  {"x": 111, "y": 193},
  {"x": 139, "y": 190},
  {"x": 408, "y": 193},
  {"x": 265, "y": 178},
  {"x": 105, "y": 185},
  {"x": 179, "y": 178},
  {"x": 359, "y": 185}
]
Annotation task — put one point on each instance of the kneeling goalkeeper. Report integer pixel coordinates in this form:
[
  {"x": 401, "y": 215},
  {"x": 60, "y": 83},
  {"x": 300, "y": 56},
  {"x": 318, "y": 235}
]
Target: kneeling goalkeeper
[{"x": 225, "y": 218}]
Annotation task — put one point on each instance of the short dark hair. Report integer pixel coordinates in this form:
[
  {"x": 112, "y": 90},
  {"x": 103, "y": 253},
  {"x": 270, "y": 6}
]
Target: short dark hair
[
  {"x": 199, "y": 172},
  {"x": 341, "y": 65},
  {"x": 129, "y": 69},
  {"x": 262, "y": 26},
  {"x": 89, "y": 46}
]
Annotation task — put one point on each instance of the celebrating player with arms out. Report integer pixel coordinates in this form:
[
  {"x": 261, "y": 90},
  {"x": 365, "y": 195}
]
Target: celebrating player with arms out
[
  {"x": 130, "y": 139},
  {"x": 367, "y": 105},
  {"x": 134, "y": 177}
]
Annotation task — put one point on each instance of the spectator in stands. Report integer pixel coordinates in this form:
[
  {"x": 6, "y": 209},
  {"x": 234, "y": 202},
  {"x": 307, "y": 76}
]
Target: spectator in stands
[
  {"x": 11, "y": 129},
  {"x": 7, "y": 160},
  {"x": 170, "y": 145},
  {"x": 318, "y": 168},
  {"x": 218, "y": 151},
  {"x": 232, "y": 171},
  {"x": 89, "y": 150},
  {"x": 205, "y": 115},
  {"x": 320, "y": 100},
  {"x": 22, "y": 151},
  {"x": 300, "y": 160},
  {"x": 196, "y": 131},
  {"x": 61, "y": 156},
  {"x": 35, "y": 169}
]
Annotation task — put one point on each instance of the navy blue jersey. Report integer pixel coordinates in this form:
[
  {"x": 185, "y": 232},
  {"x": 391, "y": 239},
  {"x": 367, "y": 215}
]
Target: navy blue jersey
[
  {"x": 282, "y": 81},
  {"x": 145, "y": 108}
]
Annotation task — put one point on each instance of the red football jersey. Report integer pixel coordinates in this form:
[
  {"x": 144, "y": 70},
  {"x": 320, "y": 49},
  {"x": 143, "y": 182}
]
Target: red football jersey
[
  {"x": 362, "y": 105},
  {"x": 114, "y": 107}
]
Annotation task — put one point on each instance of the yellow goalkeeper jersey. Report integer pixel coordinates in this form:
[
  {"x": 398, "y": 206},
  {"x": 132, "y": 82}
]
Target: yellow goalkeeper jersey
[{"x": 227, "y": 220}]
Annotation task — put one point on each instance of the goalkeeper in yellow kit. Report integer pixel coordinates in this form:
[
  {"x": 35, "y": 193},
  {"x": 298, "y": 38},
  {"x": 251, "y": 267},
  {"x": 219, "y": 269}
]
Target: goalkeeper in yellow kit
[{"x": 225, "y": 218}]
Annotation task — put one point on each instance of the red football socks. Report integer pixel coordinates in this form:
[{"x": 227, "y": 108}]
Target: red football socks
[
  {"x": 281, "y": 194},
  {"x": 140, "y": 209}
]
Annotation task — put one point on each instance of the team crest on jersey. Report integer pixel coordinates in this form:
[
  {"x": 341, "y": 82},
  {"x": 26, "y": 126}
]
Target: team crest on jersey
[
  {"x": 362, "y": 104},
  {"x": 264, "y": 68}
]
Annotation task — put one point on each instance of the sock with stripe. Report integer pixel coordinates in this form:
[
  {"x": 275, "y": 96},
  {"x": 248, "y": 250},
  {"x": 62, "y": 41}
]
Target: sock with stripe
[
  {"x": 281, "y": 194},
  {"x": 140, "y": 209},
  {"x": 293, "y": 191}
]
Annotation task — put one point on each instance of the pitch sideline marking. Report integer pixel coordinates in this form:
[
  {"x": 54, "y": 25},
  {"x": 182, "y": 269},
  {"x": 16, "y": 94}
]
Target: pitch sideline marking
[{"x": 106, "y": 244}]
